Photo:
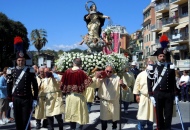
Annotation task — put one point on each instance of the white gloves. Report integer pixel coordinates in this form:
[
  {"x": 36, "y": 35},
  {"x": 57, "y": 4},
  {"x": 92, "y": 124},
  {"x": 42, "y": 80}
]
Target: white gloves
[
  {"x": 34, "y": 103},
  {"x": 11, "y": 104},
  {"x": 176, "y": 99},
  {"x": 153, "y": 101}
]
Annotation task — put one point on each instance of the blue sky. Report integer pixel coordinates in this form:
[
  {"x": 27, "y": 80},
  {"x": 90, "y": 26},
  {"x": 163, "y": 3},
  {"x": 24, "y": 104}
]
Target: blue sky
[{"x": 63, "y": 19}]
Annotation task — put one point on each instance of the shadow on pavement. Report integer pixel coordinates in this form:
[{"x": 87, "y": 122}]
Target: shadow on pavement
[
  {"x": 8, "y": 127},
  {"x": 186, "y": 125}
]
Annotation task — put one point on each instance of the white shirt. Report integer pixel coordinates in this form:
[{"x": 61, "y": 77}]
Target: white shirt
[{"x": 185, "y": 78}]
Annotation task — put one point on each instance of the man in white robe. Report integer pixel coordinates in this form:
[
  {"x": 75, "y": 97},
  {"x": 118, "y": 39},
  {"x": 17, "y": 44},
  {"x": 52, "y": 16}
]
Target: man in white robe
[
  {"x": 145, "y": 113},
  {"x": 109, "y": 96}
]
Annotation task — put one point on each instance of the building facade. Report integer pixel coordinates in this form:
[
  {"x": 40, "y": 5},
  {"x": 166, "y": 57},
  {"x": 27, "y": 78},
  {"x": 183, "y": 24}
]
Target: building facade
[
  {"x": 136, "y": 48},
  {"x": 123, "y": 35},
  {"x": 149, "y": 40},
  {"x": 172, "y": 19}
]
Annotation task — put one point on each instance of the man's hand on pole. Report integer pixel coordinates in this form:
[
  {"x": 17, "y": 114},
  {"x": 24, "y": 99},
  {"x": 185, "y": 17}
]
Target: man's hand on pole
[{"x": 153, "y": 101}]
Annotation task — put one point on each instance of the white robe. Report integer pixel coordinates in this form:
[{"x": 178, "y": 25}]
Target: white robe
[
  {"x": 108, "y": 93},
  {"x": 146, "y": 109}
]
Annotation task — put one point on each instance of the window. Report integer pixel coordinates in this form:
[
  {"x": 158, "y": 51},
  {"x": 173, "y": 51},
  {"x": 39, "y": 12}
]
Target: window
[
  {"x": 184, "y": 10},
  {"x": 146, "y": 14},
  {"x": 149, "y": 37},
  {"x": 186, "y": 29}
]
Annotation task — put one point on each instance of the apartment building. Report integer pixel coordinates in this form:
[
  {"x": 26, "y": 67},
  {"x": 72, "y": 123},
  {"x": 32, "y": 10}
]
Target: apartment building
[
  {"x": 136, "y": 48},
  {"x": 171, "y": 18},
  {"x": 148, "y": 36},
  {"x": 124, "y": 36}
]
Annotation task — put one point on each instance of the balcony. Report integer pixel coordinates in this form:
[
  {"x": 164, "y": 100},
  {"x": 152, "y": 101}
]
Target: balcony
[
  {"x": 182, "y": 37},
  {"x": 178, "y": 2},
  {"x": 162, "y": 8},
  {"x": 170, "y": 22},
  {"x": 156, "y": 27}
]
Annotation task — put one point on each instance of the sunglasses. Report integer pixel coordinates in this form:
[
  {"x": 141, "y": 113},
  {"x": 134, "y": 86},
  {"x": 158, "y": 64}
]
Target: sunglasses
[{"x": 108, "y": 71}]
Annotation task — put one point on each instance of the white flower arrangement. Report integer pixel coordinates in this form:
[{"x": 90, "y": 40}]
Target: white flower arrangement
[{"x": 100, "y": 61}]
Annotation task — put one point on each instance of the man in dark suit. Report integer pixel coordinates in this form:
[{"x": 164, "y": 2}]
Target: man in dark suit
[
  {"x": 21, "y": 80},
  {"x": 162, "y": 88}
]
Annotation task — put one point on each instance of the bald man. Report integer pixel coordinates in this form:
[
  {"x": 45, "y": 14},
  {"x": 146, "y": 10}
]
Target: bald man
[
  {"x": 109, "y": 96},
  {"x": 54, "y": 106},
  {"x": 40, "y": 108}
]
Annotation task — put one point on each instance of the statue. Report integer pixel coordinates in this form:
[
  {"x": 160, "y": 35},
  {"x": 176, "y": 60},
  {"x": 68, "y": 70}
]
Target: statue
[
  {"x": 94, "y": 20},
  {"x": 108, "y": 39}
]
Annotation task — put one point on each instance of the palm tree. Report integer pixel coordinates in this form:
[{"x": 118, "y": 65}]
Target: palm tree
[{"x": 38, "y": 38}]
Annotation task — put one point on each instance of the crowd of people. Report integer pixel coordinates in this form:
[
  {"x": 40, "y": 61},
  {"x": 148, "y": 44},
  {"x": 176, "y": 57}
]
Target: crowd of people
[{"x": 23, "y": 89}]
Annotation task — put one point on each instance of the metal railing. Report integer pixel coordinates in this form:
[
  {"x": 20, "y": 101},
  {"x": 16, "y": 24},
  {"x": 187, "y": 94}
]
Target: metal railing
[
  {"x": 180, "y": 36},
  {"x": 170, "y": 20},
  {"x": 162, "y": 6},
  {"x": 156, "y": 26}
]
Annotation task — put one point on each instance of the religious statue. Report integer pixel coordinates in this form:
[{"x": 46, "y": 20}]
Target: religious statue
[
  {"x": 94, "y": 20},
  {"x": 108, "y": 39}
]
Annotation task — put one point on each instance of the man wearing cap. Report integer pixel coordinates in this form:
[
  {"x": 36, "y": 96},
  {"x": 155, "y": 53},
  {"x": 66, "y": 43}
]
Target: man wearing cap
[
  {"x": 162, "y": 86},
  {"x": 134, "y": 69},
  {"x": 20, "y": 82}
]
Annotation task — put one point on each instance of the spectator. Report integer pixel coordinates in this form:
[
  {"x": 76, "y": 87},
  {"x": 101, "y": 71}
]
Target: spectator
[
  {"x": 177, "y": 77},
  {"x": 3, "y": 98},
  {"x": 127, "y": 95},
  {"x": 36, "y": 69},
  {"x": 134, "y": 69},
  {"x": 1, "y": 73},
  {"x": 184, "y": 82}
]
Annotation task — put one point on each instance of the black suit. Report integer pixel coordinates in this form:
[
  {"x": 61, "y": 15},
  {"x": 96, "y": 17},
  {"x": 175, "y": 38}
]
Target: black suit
[
  {"x": 163, "y": 94},
  {"x": 135, "y": 71},
  {"x": 22, "y": 97}
]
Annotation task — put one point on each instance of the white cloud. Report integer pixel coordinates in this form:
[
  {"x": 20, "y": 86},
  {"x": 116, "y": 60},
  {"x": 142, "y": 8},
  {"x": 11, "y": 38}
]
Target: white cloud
[{"x": 66, "y": 47}]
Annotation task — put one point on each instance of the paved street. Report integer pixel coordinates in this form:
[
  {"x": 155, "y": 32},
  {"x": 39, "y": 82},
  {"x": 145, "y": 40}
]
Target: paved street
[{"x": 129, "y": 121}]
